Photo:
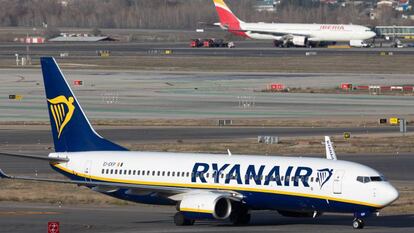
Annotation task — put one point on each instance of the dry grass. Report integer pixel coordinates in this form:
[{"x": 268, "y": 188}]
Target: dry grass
[
  {"x": 32, "y": 191},
  {"x": 369, "y": 144},
  {"x": 364, "y": 63}
]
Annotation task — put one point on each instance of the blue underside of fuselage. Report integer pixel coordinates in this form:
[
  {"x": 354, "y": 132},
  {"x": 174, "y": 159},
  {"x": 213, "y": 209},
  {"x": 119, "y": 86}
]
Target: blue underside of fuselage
[{"x": 253, "y": 200}]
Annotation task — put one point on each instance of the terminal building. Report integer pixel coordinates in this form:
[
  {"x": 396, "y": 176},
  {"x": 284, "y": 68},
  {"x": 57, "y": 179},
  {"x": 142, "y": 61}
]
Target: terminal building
[{"x": 395, "y": 31}]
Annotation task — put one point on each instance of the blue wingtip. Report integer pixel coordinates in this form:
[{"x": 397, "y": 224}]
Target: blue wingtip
[{"x": 3, "y": 175}]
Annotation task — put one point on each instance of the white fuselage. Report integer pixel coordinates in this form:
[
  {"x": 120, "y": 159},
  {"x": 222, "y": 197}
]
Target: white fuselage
[
  {"x": 314, "y": 32},
  {"x": 197, "y": 171}
]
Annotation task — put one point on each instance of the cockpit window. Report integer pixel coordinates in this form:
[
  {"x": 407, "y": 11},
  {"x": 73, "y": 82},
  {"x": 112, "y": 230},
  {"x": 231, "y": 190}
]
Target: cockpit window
[
  {"x": 367, "y": 179},
  {"x": 377, "y": 178}
]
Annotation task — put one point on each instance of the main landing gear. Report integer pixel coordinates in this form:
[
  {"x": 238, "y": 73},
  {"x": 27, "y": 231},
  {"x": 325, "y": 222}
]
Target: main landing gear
[
  {"x": 358, "y": 223},
  {"x": 181, "y": 220},
  {"x": 240, "y": 215}
]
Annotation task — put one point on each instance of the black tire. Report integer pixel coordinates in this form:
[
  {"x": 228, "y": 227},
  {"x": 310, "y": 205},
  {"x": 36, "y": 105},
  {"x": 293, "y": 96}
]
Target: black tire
[
  {"x": 181, "y": 220},
  {"x": 358, "y": 224}
]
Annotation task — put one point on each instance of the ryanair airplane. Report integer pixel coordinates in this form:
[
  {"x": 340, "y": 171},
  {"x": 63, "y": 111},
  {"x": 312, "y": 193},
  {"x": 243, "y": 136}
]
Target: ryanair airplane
[{"x": 203, "y": 186}]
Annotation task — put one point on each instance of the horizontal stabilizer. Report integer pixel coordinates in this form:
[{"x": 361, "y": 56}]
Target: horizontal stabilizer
[{"x": 38, "y": 157}]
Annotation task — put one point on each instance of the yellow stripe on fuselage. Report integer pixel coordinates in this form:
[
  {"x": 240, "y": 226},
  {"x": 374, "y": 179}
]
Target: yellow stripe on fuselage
[{"x": 220, "y": 187}]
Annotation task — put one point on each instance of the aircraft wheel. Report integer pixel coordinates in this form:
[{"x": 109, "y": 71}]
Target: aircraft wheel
[
  {"x": 181, "y": 220},
  {"x": 358, "y": 223}
]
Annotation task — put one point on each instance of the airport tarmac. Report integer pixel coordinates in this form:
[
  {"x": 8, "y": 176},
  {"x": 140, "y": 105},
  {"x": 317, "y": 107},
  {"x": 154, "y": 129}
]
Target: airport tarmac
[
  {"x": 244, "y": 48},
  {"x": 23, "y": 218},
  {"x": 112, "y": 94},
  {"x": 26, "y": 135}
]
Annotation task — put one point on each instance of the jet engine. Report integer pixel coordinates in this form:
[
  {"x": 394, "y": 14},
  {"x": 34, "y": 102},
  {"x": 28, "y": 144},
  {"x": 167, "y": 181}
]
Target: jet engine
[
  {"x": 299, "y": 40},
  {"x": 209, "y": 205}
]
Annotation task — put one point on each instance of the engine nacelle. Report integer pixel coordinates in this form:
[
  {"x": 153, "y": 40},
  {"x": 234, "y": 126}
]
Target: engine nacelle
[
  {"x": 299, "y": 40},
  {"x": 300, "y": 214},
  {"x": 202, "y": 206}
]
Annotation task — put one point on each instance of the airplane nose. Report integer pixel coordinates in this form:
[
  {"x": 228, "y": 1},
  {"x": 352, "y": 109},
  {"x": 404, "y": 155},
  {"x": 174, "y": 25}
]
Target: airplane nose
[{"x": 391, "y": 194}]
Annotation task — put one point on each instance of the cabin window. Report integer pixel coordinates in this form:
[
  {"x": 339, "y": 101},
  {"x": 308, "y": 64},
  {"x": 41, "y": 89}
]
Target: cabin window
[
  {"x": 207, "y": 175},
  {"x": 103, "y": 170},
  {"x": 311, "y": 179},
  {"x": 183, "y": 174},
  {"x": 316, "y": 179},
  {"x": 107, "y": 171},
  {"x": 282, "y": 178},
  {"x": 188, "y": 174},
  {"x": 138, "y": 172},
  {"x": 148, "y": 173},
  {"x": 163, "y": 173},
  {"x": 116, "y": 171},
  {"x": 125, "y": 172},
  {"x": 134, "y": 172},
  {"x": 112, "y": 171},
  {"x": 168, "y": 173},
  {"x": 153, "y": 173},
  {"x": 173, "y": 174}
]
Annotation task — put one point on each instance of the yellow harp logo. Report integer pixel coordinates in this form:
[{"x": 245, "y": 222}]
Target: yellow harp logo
[{"x": 62, "y": 111}]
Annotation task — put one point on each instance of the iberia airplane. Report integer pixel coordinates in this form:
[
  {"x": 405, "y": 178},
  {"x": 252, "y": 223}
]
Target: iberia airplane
[
  {"x": 285, "y": 34},
  {"x": 203, "y": 186}
]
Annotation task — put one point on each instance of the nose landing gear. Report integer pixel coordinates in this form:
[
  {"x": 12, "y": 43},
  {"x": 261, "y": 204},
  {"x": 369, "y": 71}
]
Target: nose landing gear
[{"x": 358, "y": 223}]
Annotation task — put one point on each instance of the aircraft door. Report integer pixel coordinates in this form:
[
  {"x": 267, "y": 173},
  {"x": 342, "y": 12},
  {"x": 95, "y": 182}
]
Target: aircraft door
[
  {"x": 337, "y": 183},
  {"x": 87, "y": 170}
]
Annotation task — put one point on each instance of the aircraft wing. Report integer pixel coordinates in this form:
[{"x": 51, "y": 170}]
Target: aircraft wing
[
  {"x": 95, "y": 183},
  {"x": 174, "y": 193},
  {"x": 330, "y": 151}
]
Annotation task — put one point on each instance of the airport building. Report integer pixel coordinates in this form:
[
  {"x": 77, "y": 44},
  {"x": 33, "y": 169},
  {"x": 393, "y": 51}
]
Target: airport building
[{"x": 394, "y": 31}]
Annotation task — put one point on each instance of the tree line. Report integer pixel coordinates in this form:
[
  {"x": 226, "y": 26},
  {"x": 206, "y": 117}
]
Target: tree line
[{"x": 171, "y": 14}]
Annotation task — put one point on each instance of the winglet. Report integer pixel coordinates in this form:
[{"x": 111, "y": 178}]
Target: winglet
[
  {"x": 4, "y": 175},
  {"x": 330, "y": 151}
]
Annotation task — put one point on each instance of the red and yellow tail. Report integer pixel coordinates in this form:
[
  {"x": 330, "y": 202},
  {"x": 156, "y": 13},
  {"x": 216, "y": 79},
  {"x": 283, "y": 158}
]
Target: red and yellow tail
[{"x": 227, "y": 18}]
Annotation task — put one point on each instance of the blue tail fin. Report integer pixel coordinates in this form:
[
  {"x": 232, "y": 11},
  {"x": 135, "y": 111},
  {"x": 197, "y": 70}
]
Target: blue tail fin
[{"x": 71, "y": 129}]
